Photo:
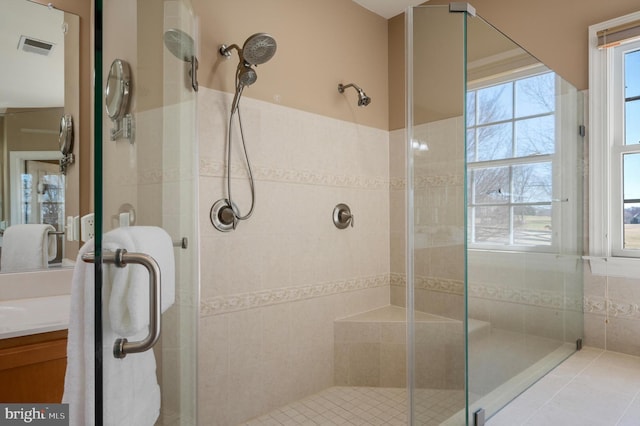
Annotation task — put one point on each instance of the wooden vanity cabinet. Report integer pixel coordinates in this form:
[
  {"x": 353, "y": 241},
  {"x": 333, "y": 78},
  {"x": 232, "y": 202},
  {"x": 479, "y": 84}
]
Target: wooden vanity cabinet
[{"x": 32, "y": 368}]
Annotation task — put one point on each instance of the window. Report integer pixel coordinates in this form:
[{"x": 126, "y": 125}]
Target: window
[
  {"x": 511, "y": 152},
  {"x": 614, "y": 70},
  {"x": 626, "y": 150}
]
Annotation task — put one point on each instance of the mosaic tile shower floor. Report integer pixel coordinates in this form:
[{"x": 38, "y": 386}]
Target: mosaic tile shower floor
[{"x": 365, "y": 406}]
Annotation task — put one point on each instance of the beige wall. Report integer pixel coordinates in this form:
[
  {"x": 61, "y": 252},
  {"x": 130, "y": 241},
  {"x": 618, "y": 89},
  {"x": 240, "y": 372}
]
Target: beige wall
[
  {"x": 20, "y": 136},
  {"x": 19, "y": 124},
  {"x": 396, "y": 71},
  {"x": 320, "y": 44},
  {"x": 554, "y": 32}
]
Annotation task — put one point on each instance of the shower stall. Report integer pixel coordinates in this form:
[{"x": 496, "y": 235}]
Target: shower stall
[{"x": 458, "y": 283}]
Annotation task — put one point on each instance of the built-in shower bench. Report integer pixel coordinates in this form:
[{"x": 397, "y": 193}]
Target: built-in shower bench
[{"x": 370, "y": 349}]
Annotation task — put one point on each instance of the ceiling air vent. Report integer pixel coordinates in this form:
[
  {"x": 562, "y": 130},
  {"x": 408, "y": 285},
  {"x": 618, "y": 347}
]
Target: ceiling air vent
[{"x": 30, "y": 44}]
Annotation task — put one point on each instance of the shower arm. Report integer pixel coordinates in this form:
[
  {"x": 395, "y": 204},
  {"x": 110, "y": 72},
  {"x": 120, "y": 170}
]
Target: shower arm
[
  {"x": 226, "y": 50},
  {"x": 342, "y": 87}
]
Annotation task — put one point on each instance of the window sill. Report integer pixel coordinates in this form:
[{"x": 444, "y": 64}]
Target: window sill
[{"x": 625, "y": 267}]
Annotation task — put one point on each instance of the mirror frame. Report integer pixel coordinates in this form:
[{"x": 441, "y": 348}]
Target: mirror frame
[
  {"x": 117, "y": 90},
  {"x": 65, "y": 139}
]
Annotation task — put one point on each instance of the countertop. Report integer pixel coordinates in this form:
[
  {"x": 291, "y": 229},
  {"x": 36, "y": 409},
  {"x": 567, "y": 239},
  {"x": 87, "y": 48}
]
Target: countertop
[{"x": 21, "y": 317}]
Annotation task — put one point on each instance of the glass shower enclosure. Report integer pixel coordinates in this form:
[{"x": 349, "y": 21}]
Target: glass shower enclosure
[
  {"x": 145, "y": 176},
  {"x": 494, "y": 214}
]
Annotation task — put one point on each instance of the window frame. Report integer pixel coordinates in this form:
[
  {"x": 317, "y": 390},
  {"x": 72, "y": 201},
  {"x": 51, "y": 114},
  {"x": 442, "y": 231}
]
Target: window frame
[
  {"x": 618, "y": 149},
  {"x": 556, "y": 160},
  {"x": 606, "y": 118}
]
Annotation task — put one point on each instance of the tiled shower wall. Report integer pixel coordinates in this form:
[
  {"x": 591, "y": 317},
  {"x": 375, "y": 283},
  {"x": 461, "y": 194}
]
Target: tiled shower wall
[
  {"x": 525, "y": 293},
  {"x": 271, "y": 289},
  {"x": 611, "y": 312}
]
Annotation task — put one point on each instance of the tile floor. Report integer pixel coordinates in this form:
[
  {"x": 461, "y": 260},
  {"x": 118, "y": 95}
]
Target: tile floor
[
  {"x": 591, "y": 388},
  {"x": 342, "y": 406},
  {"x": 365, "y": 406}
]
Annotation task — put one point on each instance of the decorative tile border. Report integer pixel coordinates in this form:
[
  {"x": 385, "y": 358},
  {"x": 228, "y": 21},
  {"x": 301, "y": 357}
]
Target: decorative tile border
[
  {"x": 547, "y": 299},
  {"x": 595, "y": 305},
  {"x": 423, "y": 182},
  {"x": 397, "y": 184},
  {"x": 611, "y": 307},
  {"x": 523, "y": 296},
  {"x": 212, "y": 168},
  {"x": 622, "y": 309},
  {"x": 174, "y": 174},
  {"x": 239, "y": 302},
  {"x": 307, "y": 177},
  {"x": 155, "y": 176},
  {"x": 442, "y": 285}
]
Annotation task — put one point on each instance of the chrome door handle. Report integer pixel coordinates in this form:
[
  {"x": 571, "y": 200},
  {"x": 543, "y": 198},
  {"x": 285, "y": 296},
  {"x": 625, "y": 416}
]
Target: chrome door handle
[{"x": 121, "y": 258}]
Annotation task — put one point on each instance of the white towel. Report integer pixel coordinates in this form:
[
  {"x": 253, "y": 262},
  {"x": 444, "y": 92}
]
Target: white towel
[
  {"x": 27, "y": 247},
  {"x": 129, "y": 298},
  {"x": 79, "y": 381},
  {"x": 131, "y": 391}
]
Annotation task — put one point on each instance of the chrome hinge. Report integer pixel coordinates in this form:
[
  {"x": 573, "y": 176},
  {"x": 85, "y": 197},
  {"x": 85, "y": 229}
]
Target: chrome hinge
[{"x": 462, "y": 6}]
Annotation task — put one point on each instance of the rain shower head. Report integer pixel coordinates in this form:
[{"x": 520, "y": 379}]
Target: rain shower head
[
  {"x": 180, "y": 44},
  {"x": 259, "y": 48},
  {"x": 256, "y": 50},
  {"x": 363, "y": 99}
]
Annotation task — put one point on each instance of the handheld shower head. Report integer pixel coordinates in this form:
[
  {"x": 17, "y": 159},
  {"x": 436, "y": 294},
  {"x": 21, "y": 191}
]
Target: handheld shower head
[
  {"x": 256, "y": 50},
  {"x": 363, "y": 99},
  {"x": 246, "y": 75}
]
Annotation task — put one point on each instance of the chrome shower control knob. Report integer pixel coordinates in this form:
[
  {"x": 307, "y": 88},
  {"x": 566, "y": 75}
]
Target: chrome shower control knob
[
  {"x": 222, "y": 216},
  {"x": 342, "y": 216}
]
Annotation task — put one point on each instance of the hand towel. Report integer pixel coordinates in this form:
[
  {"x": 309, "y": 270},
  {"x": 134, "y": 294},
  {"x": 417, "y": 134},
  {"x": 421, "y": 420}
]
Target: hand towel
[
  {"x": 79, "y": 381},
  {"x": 131, "y": 391},
  {"x": 29, "y": 246},
  {"x": 129, "y": 297}
]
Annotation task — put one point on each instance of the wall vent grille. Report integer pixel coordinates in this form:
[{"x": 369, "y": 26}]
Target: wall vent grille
[{"x": 33, "y": 45}]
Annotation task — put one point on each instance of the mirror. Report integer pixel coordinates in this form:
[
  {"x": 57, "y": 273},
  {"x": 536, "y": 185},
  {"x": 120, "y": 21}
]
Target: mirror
[
  {"x": 37, "y": 46},
  {"x": 65, "y": 138},
  {"x": 116, "y": 92}
]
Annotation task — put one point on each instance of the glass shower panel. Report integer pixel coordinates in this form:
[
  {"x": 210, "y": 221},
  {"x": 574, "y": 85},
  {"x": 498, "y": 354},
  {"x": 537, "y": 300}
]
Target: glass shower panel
[
  {"x": 436, "y": 231},
  {"x": 494, "y": 272},
  {"x": 524, "y": 204},
  {"x": 148, "y": 177}
]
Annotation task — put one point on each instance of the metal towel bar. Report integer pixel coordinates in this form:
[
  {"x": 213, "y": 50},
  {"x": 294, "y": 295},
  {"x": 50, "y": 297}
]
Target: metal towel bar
[
  {"x": 48, "y": 232},
  {"x": 121, "y": 258},
  {"x": 182, "y": 243}
]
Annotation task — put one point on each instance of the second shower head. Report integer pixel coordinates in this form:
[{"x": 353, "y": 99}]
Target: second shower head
[{"x": 363, "y": 99}]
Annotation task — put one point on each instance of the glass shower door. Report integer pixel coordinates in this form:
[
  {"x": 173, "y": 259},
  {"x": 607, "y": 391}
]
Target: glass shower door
[
  {"x": 145, "y": 180},
  {"x": 494, "y": 188}
]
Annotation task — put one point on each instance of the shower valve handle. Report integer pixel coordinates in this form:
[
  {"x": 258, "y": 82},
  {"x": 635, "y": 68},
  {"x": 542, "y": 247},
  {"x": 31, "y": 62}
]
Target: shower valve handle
[
  {"x": 346, "y": 217},
  {"x": 342, "y": 216}
]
